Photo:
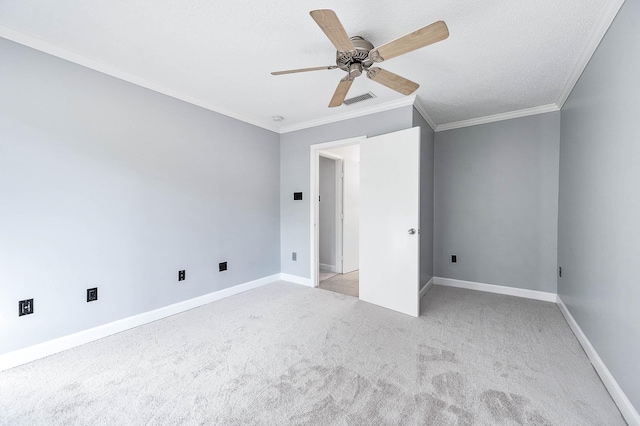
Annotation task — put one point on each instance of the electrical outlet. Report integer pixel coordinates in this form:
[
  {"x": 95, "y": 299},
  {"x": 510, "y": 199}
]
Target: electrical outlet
[
  {"x": 222, "y": 266},
  {"x": 294, "y": 256},
  {"x": 92, "y": 294},
  {"x": 297, "y": 196},
  {"x": 25, "y": 307},
  {"x": 454, "y": 258},
  {"x": 560, "y": 271},
  {"x": 181, "y": 275}
]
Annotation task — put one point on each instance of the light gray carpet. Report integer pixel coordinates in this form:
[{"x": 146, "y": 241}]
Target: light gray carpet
[{"x": 286, "y": 354}]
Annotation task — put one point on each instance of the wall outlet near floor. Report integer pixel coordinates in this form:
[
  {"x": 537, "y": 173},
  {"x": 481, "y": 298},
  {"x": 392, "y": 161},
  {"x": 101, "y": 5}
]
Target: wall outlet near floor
[
  {"x": 222, "y": 266},
  {"x": 25, "y": 307},
  {"x": 181, "y": 275},
  {"x": 294, "y": 256},
  {"x": 92, "y": 294},
  {"x": 454, "y": 258}
]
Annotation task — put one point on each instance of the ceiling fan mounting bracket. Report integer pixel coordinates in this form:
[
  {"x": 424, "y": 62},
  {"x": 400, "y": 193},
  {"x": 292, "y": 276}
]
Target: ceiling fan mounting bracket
[
  {"x": 375, "y": 56},
  {"x": 371, "y": 72}
]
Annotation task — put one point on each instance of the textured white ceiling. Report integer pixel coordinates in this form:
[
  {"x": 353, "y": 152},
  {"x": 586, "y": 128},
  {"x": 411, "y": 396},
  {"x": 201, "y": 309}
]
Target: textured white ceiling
[{"x": 502, "y": 55}]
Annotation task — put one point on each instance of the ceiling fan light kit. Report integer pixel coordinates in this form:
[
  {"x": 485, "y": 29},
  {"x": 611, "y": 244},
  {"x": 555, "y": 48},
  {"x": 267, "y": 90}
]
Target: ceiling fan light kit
[{"x": 355, "y": 55}]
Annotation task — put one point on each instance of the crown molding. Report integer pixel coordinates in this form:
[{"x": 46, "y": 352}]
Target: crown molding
[
  {"x": 405, "y": 101},
  {"x": 596, "y": 37},
  {"x": 77, "y": 58},
  {"x": 423, "y": 112},
  {"x": 498, "y": 117}
]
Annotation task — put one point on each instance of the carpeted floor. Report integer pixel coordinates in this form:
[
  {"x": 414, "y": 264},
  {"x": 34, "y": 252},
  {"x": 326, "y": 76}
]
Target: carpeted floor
[{"x": 287, "y": 354}]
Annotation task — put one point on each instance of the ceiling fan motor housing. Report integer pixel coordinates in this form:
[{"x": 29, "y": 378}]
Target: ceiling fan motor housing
[{"x": 347, "y": 60}]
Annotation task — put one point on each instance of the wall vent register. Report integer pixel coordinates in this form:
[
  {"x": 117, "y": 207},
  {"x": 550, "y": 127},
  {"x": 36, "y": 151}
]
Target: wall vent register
[{"x": 359, "y": 98}]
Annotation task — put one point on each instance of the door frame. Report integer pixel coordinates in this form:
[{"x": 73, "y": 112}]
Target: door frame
[
  {"x": 314, "y": 158},
  {"x": 338, "y": 210}
]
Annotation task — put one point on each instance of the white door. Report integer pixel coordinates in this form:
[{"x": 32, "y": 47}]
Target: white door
[
  {"x": 351, "y": 216},
  {"x": 389, "y": 220}
]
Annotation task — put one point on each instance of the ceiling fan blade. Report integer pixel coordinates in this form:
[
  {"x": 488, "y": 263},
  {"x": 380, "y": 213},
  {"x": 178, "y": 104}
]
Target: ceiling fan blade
[
  {"x": 341, "y": 92},
  {"x": 330, "y": 24},
  {"x": 392, "y": 81},
  {"x": 330, "y": 67},
  {"x": 425, "y": 36}
]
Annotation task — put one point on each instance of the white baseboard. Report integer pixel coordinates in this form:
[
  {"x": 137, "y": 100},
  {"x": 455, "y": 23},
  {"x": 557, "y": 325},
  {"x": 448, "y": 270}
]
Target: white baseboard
[
  {"x": 499, "y": 289},
  {"x": 327, "y": 268},
  {"x": 426, "y": 287},
  {"x": 629, "y": 413},
  {"x": 296, "y": 279},
  {"x": 41, "y": 350}
]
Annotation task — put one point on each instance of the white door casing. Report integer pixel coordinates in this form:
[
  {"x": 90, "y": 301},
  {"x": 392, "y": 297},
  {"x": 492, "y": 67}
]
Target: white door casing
[
  {"x": 389, "y": 210},
  {"x": 351, "y": 216}
]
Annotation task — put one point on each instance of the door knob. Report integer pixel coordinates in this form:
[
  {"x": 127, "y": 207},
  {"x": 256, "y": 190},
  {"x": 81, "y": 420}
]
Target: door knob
[{"x": 412, "y": 231}]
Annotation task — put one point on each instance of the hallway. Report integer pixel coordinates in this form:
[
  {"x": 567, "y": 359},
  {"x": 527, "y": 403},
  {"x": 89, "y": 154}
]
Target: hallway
[{"x": 341, "y": 283}]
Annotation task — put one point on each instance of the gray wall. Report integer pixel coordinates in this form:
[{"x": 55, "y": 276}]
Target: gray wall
[
  {"x": 103, "y": 183},
  {"x": 496, "y": 202},
  {"x": 327, "y": 212},
  {"x": 427, "y": 137},
  {"x": 599, "y": 217},
  {"x": 294, "y": 172}
]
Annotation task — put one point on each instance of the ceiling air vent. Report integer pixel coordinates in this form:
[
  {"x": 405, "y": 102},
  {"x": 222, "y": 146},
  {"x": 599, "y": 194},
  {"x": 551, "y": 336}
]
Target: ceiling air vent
[{"x": 359, "y": 98}]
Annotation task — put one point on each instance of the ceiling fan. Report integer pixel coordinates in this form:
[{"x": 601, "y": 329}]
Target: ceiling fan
[{"x": 356, "y": 55}]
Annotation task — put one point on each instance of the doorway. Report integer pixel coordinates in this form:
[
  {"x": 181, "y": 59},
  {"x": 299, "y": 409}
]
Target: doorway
[
  {"x": 389, "y": 231},
  {"x": 338, "y": 219},
  {"x": 314, "y": 201}
]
